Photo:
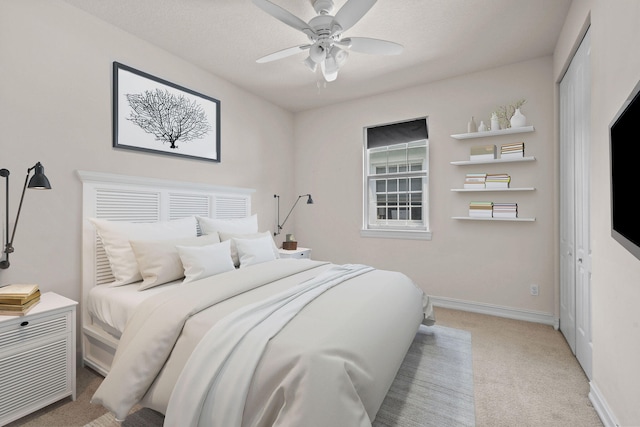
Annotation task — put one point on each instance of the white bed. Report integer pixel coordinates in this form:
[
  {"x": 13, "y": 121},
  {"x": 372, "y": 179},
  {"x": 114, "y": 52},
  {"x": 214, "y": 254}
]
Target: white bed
[
  {"x": 145, "y": 200},
  {"x": 274, "y": 342}
]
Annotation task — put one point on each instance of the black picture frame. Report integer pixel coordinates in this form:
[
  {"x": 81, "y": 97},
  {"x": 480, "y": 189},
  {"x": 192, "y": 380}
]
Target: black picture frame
[{"x": 156, "y": 116}]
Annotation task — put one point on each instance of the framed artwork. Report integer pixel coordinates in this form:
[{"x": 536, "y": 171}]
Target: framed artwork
[{"x": 151, "y": 114}]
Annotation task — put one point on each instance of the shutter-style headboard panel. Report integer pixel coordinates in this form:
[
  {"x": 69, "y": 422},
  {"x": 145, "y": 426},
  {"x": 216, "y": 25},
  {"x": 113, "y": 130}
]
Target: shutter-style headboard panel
[{"x": 137, "y": 199}]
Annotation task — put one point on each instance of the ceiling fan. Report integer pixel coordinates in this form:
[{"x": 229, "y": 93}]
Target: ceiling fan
[{"x": 327, "y": 47}]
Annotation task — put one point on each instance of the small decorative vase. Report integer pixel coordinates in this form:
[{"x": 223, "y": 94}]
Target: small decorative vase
[
  {"x": 482, "y": 127},
  {"x": 518, "y": 119},
  {"x": 472, "y": 126},
  {"x": 495, "y": 123}
]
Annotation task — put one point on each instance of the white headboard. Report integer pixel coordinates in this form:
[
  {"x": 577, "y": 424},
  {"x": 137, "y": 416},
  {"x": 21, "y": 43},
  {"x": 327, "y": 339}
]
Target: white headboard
[{"x": 130, "y": 198}]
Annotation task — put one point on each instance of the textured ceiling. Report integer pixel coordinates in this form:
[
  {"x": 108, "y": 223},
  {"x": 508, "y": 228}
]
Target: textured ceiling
[{"x": 441, "y": 38}]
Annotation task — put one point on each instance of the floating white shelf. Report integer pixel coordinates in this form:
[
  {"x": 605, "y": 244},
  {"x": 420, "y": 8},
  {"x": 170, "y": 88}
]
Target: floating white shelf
[
  {"x": 463, "y": 190},
  {"x": 493, "y": 132},
  {"x": 483, "y": 162},
  {"x": 493, "y": 219}
]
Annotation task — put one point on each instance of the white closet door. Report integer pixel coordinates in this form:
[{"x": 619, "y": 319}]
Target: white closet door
[{"x": 575, "y": 251}]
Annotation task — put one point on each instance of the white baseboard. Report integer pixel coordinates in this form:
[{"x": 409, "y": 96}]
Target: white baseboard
[
  {"x": 496, "y": 310},
  {"x": 600, "y": 405}
]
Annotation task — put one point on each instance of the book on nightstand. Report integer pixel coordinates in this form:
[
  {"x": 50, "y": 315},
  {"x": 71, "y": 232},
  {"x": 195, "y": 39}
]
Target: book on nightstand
[{"x": 17, "y": 300}]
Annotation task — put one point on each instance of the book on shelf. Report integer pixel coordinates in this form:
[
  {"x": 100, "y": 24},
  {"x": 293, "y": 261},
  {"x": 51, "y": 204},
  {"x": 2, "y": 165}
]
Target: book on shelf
[
  {"x": 18, "y": 309},
  {"x": 481, "y": 177},
  {"x": 505, "y": 210},
  {"x": 475, "y": 180},
  {"x": 483, "y": 152},
  {"x": 474, "y": 185},
  {"x": 477, "y": 213},
  {"x": 481, "y": 209},
  {"x": 512, "y": 145},
  {"x": 512, "y": 151},
  {"x": 506, "y": 156},
  {"x": 498, "y": 180},
  {"x": 481, "y": 205}
]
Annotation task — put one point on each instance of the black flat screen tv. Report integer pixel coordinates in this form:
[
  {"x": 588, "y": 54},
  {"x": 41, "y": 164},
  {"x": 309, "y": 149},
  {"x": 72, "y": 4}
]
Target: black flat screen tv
[{"x": 624, "y": 138}]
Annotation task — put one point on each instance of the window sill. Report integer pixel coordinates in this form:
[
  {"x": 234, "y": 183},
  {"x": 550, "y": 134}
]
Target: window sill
[{"x": 397, "y": 234}]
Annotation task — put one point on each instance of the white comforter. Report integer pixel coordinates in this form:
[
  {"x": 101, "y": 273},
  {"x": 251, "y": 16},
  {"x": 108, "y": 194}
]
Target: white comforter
[{"x": 331, "y": 364}]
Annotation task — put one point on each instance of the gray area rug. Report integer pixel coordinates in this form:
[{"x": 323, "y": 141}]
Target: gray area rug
[{"x": 434, "y": 386}]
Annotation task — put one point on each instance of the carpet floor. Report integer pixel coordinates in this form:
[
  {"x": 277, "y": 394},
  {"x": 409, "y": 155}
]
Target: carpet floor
[{"x": 434, "y": 386}]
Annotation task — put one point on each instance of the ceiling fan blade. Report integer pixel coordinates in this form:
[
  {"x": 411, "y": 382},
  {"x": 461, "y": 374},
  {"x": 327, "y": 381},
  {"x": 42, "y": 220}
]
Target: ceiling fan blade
[
  {"x": 371, "y": 46},
  {"x": 352, "y": 12},
  {"x": 283, "y": 53},
  {"x": 284, "y": 15}
]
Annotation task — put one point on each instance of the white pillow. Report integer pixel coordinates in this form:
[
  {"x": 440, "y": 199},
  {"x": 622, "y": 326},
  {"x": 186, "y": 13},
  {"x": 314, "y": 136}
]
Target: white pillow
[
  {"x": 234, "y": 250},
  {"x": 246, "y": 225},
  {"x": 254, "y": 251},
  {"x": 115, "y": 236},
  {"x": 159, "y": 261},
  {"x": 204, "y": 261}
]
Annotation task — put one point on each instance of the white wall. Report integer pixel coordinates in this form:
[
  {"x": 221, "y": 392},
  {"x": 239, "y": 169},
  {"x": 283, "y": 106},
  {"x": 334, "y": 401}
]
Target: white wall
[
  {"x": 55, "y": 107},
  {"x": 615, "y": 65},
  {"x": 490, "y": 263}
]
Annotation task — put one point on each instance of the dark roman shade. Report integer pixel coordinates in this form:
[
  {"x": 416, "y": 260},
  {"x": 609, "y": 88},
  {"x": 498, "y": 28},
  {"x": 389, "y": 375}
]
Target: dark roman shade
[{"x": 397, "y": 133}]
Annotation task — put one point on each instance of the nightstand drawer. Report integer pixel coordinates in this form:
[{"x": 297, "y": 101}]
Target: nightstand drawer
[
  {"x": 25, "y": 329},
  {"x": 300, "y": 253}
]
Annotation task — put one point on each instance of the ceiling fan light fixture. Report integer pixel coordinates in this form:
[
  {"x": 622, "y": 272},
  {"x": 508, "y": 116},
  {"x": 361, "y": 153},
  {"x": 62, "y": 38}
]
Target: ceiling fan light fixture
[
  {"x": 310, "y": 64},
  {"x": 340, "y": 56},
  {"x": 329, "y": 70},
  {"x": 317, "y": 53}
]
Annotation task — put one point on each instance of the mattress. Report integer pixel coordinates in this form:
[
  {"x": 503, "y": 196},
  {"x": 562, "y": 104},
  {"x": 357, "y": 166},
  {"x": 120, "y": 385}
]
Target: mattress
[{"x": 112, "y": 306}]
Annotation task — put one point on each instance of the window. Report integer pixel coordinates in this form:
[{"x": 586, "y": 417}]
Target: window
[{"x": 396, "y": 181}]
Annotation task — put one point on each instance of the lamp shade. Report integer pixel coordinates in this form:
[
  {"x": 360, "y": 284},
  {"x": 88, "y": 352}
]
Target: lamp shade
[{"x": 39, "y": 179}]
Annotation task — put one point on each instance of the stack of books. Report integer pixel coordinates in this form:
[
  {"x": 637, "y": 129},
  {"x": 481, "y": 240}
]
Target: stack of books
[
  {"x": 17, "y": 300},
  {"x": 505, "y": 210},
  {"x": 513, "y": 150},
  {"x": 481, "y": 209},
  {"x": 497, "y": 180},
  {"x": 483, "y": 152},
  {"x": 475, "y": 180}
]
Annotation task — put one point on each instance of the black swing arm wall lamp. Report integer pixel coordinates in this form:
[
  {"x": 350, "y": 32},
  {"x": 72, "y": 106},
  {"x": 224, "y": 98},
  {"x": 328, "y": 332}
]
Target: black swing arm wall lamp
[
  {"x": 38, "y": 181},
  {"x": 277, "y": 197}
]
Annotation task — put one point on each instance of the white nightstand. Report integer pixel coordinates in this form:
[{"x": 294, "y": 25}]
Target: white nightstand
[
  {"x": 37, "y": 357},
  {"x": 300, "y": 253}
]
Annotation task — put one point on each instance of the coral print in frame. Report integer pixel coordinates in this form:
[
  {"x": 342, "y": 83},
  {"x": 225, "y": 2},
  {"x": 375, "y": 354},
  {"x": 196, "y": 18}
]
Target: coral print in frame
[{"x": 156, "y": 116}]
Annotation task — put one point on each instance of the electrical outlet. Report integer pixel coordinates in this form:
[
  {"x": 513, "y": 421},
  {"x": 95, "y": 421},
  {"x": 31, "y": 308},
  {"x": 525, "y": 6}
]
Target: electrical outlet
[{"x": 534, "y": 290}]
